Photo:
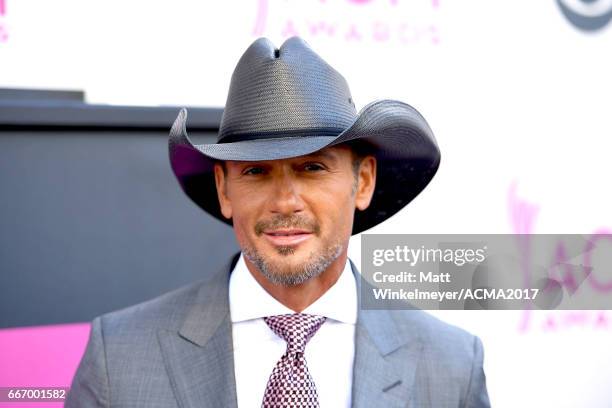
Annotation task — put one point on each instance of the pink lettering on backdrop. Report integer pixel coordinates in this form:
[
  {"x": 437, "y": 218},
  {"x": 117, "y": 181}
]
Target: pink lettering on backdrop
[
  {"x": 289, "y": 30},
  {"x": 523, "y": 215},
  {"x": 381, "y": 31},
  {"x": 3, "y": 29},
  {"x": 522, "y": 218},
  {"x": 321, "y": 27},
  {"x": 260, "y": 19},
  {"x": 434, "y": 3},
  {"x": 353, "y": 34},
  {"x": 562, "y": 271},
  {"x": 591, "y": 246},
  {"x": 351, "y": 21}
]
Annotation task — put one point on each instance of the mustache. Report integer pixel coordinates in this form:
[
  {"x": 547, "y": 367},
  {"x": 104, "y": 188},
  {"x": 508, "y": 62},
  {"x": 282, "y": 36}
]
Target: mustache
[{"x": 290, "y": 221}]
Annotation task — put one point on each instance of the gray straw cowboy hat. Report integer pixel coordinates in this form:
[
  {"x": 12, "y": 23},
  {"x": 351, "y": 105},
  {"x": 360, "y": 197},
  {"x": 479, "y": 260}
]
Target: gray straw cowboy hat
[{"x": 288, "y": 102}]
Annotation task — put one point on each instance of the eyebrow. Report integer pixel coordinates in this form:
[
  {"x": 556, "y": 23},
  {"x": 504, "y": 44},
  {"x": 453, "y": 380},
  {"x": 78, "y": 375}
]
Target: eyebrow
[{"x": 322, "y": 153}]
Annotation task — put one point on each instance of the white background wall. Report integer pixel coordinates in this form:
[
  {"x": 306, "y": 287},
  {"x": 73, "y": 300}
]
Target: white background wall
[{"x": 518, "y": 97}]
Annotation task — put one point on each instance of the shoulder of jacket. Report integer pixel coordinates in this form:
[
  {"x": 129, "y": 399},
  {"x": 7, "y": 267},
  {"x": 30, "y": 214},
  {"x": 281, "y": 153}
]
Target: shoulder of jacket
[{"x": 164, "y": 311}]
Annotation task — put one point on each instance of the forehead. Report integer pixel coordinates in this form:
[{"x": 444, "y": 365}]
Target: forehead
[{"x": 333, "y": 154}]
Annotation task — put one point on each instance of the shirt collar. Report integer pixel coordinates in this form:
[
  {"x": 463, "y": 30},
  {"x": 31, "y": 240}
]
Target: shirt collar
[{"x": 249, "y": 300}]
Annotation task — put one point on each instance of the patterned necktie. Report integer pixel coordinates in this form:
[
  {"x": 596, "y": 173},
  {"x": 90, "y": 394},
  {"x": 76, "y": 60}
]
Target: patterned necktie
[{"x": 290, "y": 384}]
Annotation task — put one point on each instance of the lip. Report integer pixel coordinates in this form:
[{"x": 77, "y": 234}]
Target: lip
[{"x": 287, "y": 237}]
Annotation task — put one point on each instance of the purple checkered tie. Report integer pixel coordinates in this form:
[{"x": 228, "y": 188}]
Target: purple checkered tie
[{"x": 290, "y": 384}]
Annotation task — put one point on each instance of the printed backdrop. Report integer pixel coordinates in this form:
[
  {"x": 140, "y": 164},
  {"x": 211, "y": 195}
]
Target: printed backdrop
[{"x": 517, "y": 93}]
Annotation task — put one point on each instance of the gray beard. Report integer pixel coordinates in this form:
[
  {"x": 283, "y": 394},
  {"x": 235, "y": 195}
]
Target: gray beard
[{"x": 313, "y": 267}]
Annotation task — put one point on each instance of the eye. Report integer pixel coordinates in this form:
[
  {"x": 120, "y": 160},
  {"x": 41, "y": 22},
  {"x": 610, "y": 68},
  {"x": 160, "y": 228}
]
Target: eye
[
  {"x": 313, "y": 167},
  {"x": 253, "y": 171}
]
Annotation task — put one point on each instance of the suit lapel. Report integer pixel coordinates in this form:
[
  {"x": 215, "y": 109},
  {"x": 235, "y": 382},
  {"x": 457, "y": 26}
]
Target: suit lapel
[
  {"x": 199, "y": 359},
  {"x": 386, "y": 357}
]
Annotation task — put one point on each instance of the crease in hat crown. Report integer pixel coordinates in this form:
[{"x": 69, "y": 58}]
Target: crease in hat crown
[{"x": 290, "y": 91}]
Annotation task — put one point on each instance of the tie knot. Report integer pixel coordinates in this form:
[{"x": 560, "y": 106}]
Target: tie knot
[{"x": 296, "y": 329}]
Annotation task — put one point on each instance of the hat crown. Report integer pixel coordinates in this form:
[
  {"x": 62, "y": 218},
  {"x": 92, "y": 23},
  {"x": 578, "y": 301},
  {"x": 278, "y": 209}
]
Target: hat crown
[{"x": 285, "y": 92}]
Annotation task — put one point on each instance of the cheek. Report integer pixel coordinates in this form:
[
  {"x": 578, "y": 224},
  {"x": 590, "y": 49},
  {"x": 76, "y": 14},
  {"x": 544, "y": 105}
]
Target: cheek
[
  {"x": 241, "y": 218},
  {"x": 338, "y": 214},
  {"x": 245, "y": 237}
]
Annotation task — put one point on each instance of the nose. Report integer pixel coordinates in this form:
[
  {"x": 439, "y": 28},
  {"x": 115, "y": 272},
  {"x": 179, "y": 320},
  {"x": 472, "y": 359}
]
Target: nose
[{"x": 285, "y": 197}]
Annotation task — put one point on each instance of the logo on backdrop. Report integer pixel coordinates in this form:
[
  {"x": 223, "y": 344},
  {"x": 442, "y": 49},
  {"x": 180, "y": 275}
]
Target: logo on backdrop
[
  {"x": 587, "y": 15},
  {"x": 375, "y": 22}
]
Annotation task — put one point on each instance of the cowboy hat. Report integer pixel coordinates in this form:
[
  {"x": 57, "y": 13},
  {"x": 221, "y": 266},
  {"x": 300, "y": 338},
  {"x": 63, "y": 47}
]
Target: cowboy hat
[{"x": 289, "y": 102}]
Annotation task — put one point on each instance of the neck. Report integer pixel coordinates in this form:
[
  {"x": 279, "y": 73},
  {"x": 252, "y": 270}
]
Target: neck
[{"x": 299, "y": 297}]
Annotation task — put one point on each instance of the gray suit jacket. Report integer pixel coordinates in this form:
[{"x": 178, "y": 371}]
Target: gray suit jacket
[{"x": 176, "y": 351}]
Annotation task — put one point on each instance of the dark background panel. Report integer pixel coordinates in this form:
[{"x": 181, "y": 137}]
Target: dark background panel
[{"x": 93, "y": 220}]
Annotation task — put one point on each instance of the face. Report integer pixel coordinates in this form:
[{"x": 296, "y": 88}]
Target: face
[{"x": 294, "y": 217}]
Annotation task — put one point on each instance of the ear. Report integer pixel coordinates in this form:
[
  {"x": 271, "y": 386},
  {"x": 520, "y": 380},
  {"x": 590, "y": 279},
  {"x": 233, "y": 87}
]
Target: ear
[
  {"x": 365, "y": 183},
  {"x": 221, "y": 183}
]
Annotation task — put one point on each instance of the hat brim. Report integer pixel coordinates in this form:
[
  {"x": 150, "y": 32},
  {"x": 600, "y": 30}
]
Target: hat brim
[{"x": 402, "y": 141}]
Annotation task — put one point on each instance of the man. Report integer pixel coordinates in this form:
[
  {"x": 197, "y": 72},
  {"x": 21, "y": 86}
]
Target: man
[{"x": 295, "y": 171}]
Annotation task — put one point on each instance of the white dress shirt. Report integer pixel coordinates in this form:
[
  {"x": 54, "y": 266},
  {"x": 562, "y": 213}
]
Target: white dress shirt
[{"x": 329, "y": 354}]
